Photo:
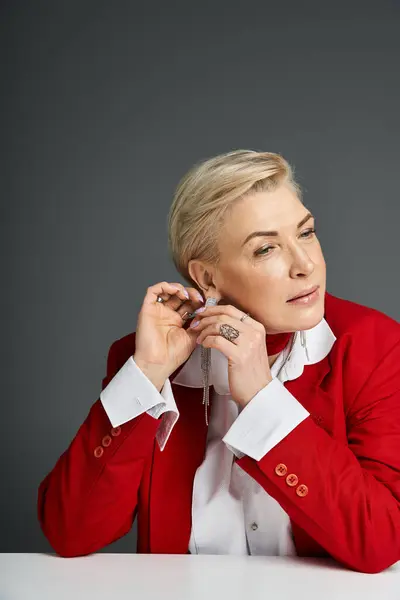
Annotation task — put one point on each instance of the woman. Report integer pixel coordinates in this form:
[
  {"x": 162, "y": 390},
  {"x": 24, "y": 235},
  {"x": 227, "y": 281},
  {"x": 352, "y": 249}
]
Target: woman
[{"x": 302, "y": 451}]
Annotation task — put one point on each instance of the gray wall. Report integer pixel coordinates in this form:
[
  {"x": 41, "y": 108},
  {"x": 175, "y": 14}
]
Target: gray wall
[{"x": 105, "y": 106}]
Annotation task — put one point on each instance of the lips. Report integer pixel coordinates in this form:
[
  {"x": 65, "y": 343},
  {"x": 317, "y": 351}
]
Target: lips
[{"x": 305, "y": 293}]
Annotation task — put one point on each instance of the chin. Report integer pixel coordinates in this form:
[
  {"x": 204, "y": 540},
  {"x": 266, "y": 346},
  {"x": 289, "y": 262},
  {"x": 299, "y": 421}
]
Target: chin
[{"x": 307, "y": 318}]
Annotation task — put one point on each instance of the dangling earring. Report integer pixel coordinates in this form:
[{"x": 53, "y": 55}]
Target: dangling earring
[
  {"x": 303, "y": 341},
  {"x": 205, "y": 365}
]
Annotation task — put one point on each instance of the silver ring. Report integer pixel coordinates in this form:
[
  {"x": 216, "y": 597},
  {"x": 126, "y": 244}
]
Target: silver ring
[
  {"x": 244, "y": 316},
  {"x": 159, "y": 299}
]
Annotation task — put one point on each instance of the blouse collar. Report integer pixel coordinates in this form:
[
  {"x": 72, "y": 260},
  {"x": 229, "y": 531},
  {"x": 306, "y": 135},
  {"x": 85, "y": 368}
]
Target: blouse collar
[{"x": 318, "y": 340}]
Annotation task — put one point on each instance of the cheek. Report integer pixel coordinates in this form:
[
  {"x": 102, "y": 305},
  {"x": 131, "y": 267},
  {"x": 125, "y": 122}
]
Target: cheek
[
  {"x": 276, "y": 270},
  {"x": 263, "y": 279},
  {"x": 270, "y": 278}
]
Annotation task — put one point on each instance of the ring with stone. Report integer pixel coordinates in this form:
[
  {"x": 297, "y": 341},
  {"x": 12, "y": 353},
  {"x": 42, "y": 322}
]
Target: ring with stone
[{"x": 228, "y": 332}]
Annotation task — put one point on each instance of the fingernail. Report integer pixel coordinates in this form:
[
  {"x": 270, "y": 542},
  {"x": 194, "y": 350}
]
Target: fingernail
[
  {"x": 186, "y": 293},
  {"x": 199, "y": 310},
  {"x": 194, "y": 323},
  {"x": 200, "y": 297}
]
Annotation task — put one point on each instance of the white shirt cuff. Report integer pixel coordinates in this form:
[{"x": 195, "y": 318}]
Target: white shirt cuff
[
  {"x": 130, "y": 393},
  {"x": 268, "y": 418}
]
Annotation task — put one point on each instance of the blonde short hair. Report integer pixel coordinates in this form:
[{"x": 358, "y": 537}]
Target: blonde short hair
[{"x": 205, "y": 194}]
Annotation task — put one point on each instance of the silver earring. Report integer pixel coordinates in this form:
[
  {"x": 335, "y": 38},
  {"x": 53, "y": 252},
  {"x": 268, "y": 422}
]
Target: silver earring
[
  {"x": 205, "y": 365},
  {"x": 303, "y": 341}
]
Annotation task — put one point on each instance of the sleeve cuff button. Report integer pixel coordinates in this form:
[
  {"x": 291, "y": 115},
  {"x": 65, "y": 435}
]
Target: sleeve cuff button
[
  {"x": 302, "y": 490},
  {"x": 292, "y": 480},
  {"x": 98, "y": 451},
  {"x": 281, "y": 470}
]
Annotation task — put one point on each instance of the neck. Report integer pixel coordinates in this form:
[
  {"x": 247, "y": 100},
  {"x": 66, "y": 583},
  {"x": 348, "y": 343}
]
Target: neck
[
  {"x": 272, "y": 359},
  {"x": 276, "y": 343}
]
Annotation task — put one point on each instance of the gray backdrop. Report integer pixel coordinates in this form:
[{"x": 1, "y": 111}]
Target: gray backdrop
[{"x": 105, "y": 106}]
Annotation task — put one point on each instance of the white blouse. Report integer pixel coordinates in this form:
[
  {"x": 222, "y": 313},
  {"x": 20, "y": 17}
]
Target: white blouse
[{"x": 231, "y": 512}]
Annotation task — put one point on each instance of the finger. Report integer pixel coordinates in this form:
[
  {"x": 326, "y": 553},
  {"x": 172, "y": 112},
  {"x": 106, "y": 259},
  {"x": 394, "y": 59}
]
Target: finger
[
  {"x": 231, "y": 311},
  {"x": 213, "y": 329},
  {"x": 186, "y": 310},
  {"x": 184, "y": 307},
  {"x": 231, "y": 351},
  {"x": 165, "y": 290},
  {"x": 195, "y": 295},
  {"x": 196, "y": 300},
  {"x": 226, "y": 309},
  {"x": 216, "y": 320}
]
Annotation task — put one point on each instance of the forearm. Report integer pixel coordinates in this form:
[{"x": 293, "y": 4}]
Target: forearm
[
  {"x": 89, "y": 498},
  {"x": 355, "y": 517}
]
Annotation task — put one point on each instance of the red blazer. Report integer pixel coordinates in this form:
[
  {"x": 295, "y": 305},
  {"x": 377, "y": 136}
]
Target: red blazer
[{"x": 347, "y": 454}]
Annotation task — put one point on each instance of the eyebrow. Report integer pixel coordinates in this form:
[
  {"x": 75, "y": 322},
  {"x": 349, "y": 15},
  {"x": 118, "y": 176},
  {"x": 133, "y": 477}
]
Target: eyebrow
[{"x": 268, "y": 233}]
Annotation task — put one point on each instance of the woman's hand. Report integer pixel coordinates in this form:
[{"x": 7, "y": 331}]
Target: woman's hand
[
  {"x": 248, "y": 366},
  {"x": 162, "y": 343}
]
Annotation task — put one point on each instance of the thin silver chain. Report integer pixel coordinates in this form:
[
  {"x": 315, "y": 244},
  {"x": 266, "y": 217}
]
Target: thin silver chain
[{"x": 206, "y": 365}]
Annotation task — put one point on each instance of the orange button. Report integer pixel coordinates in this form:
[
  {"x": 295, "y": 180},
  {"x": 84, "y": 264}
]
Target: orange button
[
  {"x": 292, "y": 480},
  {"x": 106, "y": 441},
  {"x": 98, "y": 451},
  {"x": 281, "y": 470},
  {"x": 115, "y": 431},
  {"x": 302, "y": 490}
]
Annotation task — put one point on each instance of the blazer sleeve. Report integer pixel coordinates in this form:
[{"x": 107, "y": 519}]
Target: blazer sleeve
[
  {"x": 347, "y": 497},
  {"x": 89, "y": 499}
]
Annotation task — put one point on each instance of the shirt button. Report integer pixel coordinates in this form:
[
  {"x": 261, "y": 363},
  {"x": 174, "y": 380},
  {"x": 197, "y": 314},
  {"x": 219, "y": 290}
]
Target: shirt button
[
  {"x": 254, "y": 526},
  {"x": 106, "y": 441},
  {"x": 115, "y": 431}
]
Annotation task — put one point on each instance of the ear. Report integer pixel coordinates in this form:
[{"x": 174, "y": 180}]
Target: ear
[{"x": 200, "y": 273}]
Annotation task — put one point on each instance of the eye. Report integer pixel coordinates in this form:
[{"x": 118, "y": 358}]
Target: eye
[
  {"x": 263, "y": 251},
  {"x": 308, "y": 233},
  {"x": 305, "y": 235}
]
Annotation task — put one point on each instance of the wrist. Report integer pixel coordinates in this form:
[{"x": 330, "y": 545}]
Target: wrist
[
  {"x": 154, "y": 373},
  {"x": 243, "y": 402}
]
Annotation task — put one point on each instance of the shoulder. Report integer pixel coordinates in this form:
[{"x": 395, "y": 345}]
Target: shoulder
[
  {"x": 354, "y": 320},
  {"x": 367, "y": 348}
]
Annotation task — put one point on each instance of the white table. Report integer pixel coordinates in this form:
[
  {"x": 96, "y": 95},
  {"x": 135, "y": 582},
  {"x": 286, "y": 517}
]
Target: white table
[{"x": 186, "y": 577}]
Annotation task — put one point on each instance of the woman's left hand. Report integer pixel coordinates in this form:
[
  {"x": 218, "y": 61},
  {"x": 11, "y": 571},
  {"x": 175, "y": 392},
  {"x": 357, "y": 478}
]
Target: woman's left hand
[{"x": 248, "y": 366}]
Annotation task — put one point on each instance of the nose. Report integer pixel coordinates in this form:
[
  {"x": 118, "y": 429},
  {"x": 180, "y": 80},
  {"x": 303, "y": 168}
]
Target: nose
[{"x": 302, "y": 265}]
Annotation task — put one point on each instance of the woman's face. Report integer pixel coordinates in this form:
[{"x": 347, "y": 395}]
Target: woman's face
[{"x": 259, "y": 275}]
